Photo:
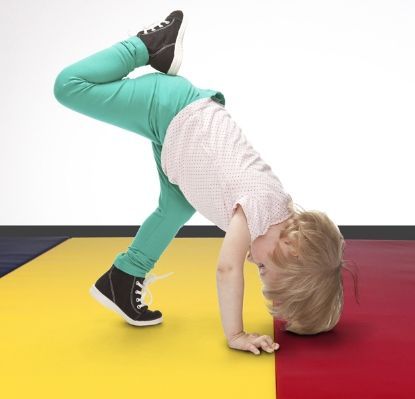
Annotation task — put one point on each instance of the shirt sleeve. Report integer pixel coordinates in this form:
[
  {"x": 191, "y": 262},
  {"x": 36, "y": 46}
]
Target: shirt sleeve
[{"x": 263, "y": 210}]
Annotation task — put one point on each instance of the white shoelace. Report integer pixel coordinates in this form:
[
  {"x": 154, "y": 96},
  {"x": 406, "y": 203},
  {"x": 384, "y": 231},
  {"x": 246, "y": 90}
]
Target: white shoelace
[
  {"x": 150, "y": 278},
  {"x": 155, "y": 25}
]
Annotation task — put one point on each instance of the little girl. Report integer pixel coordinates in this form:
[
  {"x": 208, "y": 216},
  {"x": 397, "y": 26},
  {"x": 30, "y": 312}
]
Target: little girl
[{"x": 205, "y": 163}]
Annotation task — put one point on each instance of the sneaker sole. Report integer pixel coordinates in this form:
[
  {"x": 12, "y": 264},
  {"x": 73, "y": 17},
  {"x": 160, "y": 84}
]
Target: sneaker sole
[
  {"x": 103, "y": 300},
  {"x": 178, "y": 49}
]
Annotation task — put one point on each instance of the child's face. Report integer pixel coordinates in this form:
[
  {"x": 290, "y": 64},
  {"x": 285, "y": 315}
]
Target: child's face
[
  {"x": 261, "y": 249},
  {"x": 259, "y": 253}
]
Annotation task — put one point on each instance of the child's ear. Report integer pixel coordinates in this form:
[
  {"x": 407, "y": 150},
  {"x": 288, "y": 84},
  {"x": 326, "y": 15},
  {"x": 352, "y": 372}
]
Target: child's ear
[{"x": 292, "y": 250}]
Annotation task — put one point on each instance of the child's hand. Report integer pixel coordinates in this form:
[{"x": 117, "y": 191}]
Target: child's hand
[{"x": 251, "y": 342}]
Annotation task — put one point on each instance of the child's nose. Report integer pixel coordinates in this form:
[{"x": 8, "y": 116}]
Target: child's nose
[{"x": 249, "y": 257}]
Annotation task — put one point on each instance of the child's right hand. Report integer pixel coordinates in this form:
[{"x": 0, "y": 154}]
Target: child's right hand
[{"x": 251, "y": 342}]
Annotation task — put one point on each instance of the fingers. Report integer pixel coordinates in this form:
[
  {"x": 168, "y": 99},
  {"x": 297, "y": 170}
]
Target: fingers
[
  {"x": 254, "y": 349},
  {"x": 267, "y": 339},
  {"x": 258, "y": 342},
  {"x": 275, "y": 346},
  {"x": 266, "y": 347},
  {"x": 267, "y": 344}
]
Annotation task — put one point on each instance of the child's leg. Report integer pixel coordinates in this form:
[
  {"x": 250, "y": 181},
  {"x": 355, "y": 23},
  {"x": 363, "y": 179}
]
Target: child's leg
[
  {"x": 145, "y": 105},
  {"x": 159, "y": 229},
  {"x": 94, "y": 86}
]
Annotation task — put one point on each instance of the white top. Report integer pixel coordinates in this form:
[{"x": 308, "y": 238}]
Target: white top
[{"x": 206, "y": 154}]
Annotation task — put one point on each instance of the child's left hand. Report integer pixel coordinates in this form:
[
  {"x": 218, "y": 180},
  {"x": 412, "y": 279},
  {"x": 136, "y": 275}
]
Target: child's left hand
[{"x": 251, "y": 342}]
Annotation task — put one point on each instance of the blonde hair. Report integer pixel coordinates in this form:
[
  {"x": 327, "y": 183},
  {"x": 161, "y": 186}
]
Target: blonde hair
[{"x": 308, "y": 292}]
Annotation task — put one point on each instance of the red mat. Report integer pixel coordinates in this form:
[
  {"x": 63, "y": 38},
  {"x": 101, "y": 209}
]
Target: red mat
[{"x": 371, "y": 351}]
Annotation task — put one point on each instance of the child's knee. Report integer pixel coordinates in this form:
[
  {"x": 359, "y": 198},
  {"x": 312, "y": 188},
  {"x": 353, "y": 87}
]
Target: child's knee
[
  {"x": 67, "y": 83},
  {"x": 59, "y": 86}
]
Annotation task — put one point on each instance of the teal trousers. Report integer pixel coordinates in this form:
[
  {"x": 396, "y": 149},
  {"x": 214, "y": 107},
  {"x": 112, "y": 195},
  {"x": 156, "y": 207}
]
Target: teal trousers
[{"x": 97, "y": 86}]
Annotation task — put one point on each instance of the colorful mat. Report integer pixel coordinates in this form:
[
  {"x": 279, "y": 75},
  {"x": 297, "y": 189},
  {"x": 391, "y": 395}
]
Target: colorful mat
[
  {"x": 55, "y": 335},
  {"x": 56, "y": 341},
  {"x": 16, "y": 251},
  {"x": 371, "y": 352}
]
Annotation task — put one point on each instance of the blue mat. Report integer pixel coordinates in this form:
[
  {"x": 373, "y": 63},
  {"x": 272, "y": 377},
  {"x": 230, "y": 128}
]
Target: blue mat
[{"x": 16, "y": 251}]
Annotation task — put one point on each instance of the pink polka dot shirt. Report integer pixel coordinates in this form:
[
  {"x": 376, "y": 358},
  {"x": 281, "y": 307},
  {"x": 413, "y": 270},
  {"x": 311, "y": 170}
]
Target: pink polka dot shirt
[{"x": 206, "y": 154}]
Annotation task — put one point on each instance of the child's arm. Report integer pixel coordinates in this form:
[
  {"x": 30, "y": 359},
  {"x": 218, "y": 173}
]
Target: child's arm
[
  {"x": 230, "y": 276},
  {"x": 230, "y": 284}
]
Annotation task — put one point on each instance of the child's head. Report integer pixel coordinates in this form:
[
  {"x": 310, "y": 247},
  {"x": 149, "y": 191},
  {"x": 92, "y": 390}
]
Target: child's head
[{"x": 306, "y": 289}]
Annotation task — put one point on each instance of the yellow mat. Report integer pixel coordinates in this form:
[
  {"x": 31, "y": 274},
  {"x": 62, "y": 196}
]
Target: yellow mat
[{"x": 57, "y": 342}]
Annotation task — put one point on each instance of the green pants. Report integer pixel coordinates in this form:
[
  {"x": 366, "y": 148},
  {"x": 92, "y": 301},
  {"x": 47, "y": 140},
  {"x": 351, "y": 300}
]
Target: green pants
[{"x": 97, "y": 86}]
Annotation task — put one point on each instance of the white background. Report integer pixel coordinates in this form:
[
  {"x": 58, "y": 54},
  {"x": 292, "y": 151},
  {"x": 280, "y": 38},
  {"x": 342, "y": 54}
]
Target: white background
[{"x": 324, "y": 90}]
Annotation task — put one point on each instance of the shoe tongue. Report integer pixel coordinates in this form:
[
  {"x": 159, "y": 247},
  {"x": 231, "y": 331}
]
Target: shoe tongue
[
  {"x": 141, "y": 280},
  {"x": 175, "y": 14}
]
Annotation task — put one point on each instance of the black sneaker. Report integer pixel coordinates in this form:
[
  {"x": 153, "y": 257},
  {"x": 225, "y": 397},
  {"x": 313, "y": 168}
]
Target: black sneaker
[
  {"x": 164, "y": 42},
  {"x": 124, "y": 294}
]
